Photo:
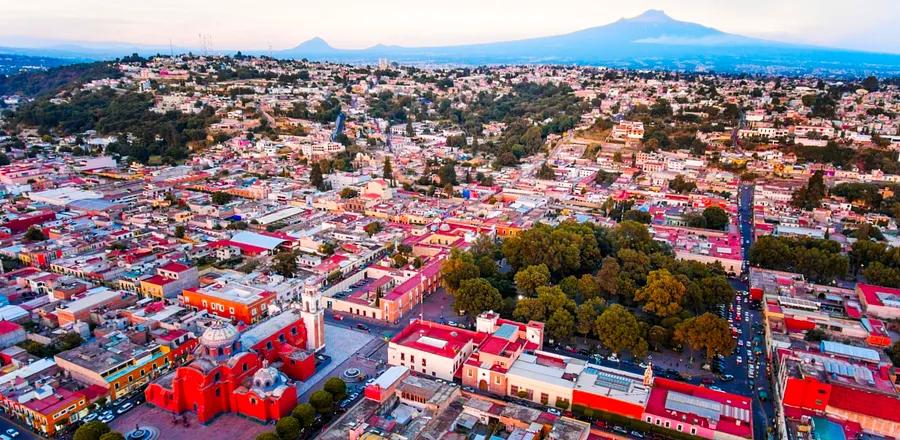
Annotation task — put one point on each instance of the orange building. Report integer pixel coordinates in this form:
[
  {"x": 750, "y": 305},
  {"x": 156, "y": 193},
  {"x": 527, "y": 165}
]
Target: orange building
[{"x": 234, "y": 301}]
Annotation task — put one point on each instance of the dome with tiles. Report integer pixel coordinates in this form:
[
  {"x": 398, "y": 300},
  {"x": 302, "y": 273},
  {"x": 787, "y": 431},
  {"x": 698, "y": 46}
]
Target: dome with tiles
[{"x": 219, "y": 334}]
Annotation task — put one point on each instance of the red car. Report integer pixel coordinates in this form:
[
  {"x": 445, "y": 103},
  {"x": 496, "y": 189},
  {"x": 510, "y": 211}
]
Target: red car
[{"x": 337, "y": 317}]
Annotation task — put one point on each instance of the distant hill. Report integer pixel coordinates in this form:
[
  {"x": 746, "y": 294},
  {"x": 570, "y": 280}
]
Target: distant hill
[{"x": 650, "y": 40}]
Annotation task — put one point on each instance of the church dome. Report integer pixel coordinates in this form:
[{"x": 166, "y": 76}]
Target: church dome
[
  {"x": 266, "y": 378},
  {"x": 219, "y": 334}
]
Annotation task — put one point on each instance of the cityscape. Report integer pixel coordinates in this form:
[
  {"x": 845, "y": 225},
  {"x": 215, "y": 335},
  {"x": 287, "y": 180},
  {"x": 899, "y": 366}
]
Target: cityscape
[{"x": 523, "y": 240}]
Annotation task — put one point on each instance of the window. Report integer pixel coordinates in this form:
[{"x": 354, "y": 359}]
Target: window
[
  {"x": 667, "y": 424},
  {"x": 412, "y": 358},
  {"x": 649, "y": 419},
  {"x": 244, "y": 367},
  {"x": 231, "y": 310},
  {"x": 281, "y": 338},
  {"x": 218, "y": 392},
  {"x": 469, "y": 372},
  {"x": 294, "y": 331},
  {"x": 269, "y": 345},
  {"x": 424, "y": 362},
  {"x": 693, "y": 431},
  {"x": 217, "y": 376},
  {"x": 402, "y": 356},
  {"x": 545, "y": 398},
  {"x": 680, "y": 427},
  {"x": 514, "y": 390},
  {"x": 497, "y": 380}
]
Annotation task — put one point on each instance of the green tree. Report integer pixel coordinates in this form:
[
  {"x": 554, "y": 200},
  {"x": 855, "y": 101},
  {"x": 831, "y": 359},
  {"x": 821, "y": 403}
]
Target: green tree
[
  {"x": 305, "y": 414},
  {"x": 618, "y": 330},
  {"x": 716, "y": 218},
  {"x": 337, "y": 387},
  {"x": 285, "y": 263},
  {"x": 34, "y": 233},
  {"x": 632, "y": 235},
  {"x": 658, "y": 337},
  {"x": 387, "y": 171},
  {"x": 316, "y": 178},
  {"x": 637, "y": 216},
  {"x": 287, "y": 428},
  {"x": 588, "y": 287},
  {"x": 179, "y": 231},
  {"x": 372, "y": 228},
  {"x": 112, "y": 435},
  {"x": 894, "y": 353},
  {"x": 530, "y": 278},
  {"x": 560, "y": 325},
  {"x": 546, "y": 172},
  {"x": 810, "y": 196},
  {"x": 608, "y": 277},
  {"x": 458, "y": 267},
  {"x": 322, "y": 401},
  {"x": 706, "y": 332},
  {"x": 662, "y": 294},
  {"x": 348, "y": 193},
  {"x": 814, "y": 335},
  {"x": 477, "y": 295},
  {"x": 587, "y": 314},
  {"x": 267, "y": 436},
  {"x": 91, "y": 431},
  {"x": 221, "y": 198},
  {"x": 681, "y": 186},
  {"x": 4, "y": 160}
]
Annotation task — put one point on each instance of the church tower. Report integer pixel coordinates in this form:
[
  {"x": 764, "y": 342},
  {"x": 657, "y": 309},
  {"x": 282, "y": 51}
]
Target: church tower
[{"x": 313, "y": 315}]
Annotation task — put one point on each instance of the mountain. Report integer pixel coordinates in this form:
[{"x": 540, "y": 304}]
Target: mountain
[{"x": 650, "y": 40}]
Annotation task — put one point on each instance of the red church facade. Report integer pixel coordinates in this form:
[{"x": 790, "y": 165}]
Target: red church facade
[{"x": 250, "y": 374}]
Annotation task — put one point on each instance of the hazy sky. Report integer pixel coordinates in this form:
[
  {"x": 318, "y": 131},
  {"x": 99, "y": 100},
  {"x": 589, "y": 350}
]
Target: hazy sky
[{"x": 258, "y": 24}]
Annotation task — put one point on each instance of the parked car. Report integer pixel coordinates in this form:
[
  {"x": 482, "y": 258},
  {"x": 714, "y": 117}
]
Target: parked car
[
  {"x": 89, "y": 417},
  {"x": 620, "y": 429},
  {"x": 554, "y": 411},
  {"x": 636, "y": 434},
  {"x": 106, "y": 418},
  {"x": 337, "y": 317},
  {"x": 12, "y": 433},
  {"x": 124, "y": 408},
  {"x": 362, "y": 327}
]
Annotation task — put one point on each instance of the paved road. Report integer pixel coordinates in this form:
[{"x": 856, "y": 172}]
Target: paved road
[{"x": 24, "y": 432}]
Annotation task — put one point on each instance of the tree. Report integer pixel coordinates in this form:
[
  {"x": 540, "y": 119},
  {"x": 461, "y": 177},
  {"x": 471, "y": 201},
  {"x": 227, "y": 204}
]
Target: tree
[
  {"x": 349, "y": 193},
  {"x": 372, "y": 228},
  {"x": 637, "y": 216},
  {"x": 4, "y": 159},
  {"x": 287, "y": 428},
  {"x": 894, "y": 353},
  {"x": 322, "y": 401},
  {"x": 285, "y": 263},
  {"x": 814, "y": 335},
  {"x": 221, "y": 198},
  {"x": 112, "y": 435},
  {"x": 387, "y": 170},
  {"x": 91, "y": 431},
  {"x": 35, "y": 233},
  {"x": 658, "y": 337},
  {"x": 587, "y": 314},
  {"x": 706, "y": 332},
  {"x": 716, "y": 218},
  {"x": 810, "y": 196},
  {"x": 588, "y": 287},
  {"x": 870, "y": 83},
  {"x": 618, "y": 330},
  {"x": 662, "y": 294},
  {"x": 337, "y": 387},
  {"x": 315, "y": 177},
  {"x": 716, "y": 290},
  {"x": 608, "y": 277},
  {"x": 458, "y": 267},
  {"x": 681, "y": 186},
  {"x": 305, "y": 414},
  {"x": 477, "y": 295},
  {"x": 560, "y": 325},
  {"x": 632, "y": 235},
  {"x": 267, "y": 436},
  {"x": 546, "y": 172},
  {"x": 179, "y": 231},
  {"x": 530, "y": 278}
]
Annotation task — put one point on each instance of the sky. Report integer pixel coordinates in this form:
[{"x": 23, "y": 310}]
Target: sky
[{"x": 260, "y": 24}]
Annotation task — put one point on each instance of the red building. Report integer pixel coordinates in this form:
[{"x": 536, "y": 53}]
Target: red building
[{"x": 250, "y": 374}]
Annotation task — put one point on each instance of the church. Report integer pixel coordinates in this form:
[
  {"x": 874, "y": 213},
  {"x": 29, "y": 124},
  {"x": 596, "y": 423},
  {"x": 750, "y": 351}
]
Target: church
[{"x": 250, "y": 373}]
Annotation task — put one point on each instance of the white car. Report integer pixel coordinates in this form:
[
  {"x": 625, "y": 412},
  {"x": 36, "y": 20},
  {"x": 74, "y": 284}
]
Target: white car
[
  {"x": 89, "y": 417},
  {"x": 12, "y": 433},
  {"x": 124, "y": 408},
  {"x": 554, "y": 411},
  {"x": 106, "y": 418},
  {"x": 739, "y": 360}
]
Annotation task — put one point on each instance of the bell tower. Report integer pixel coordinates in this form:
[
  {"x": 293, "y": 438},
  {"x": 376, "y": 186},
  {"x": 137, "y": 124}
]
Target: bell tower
[{"x": 313, "y": 315}]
